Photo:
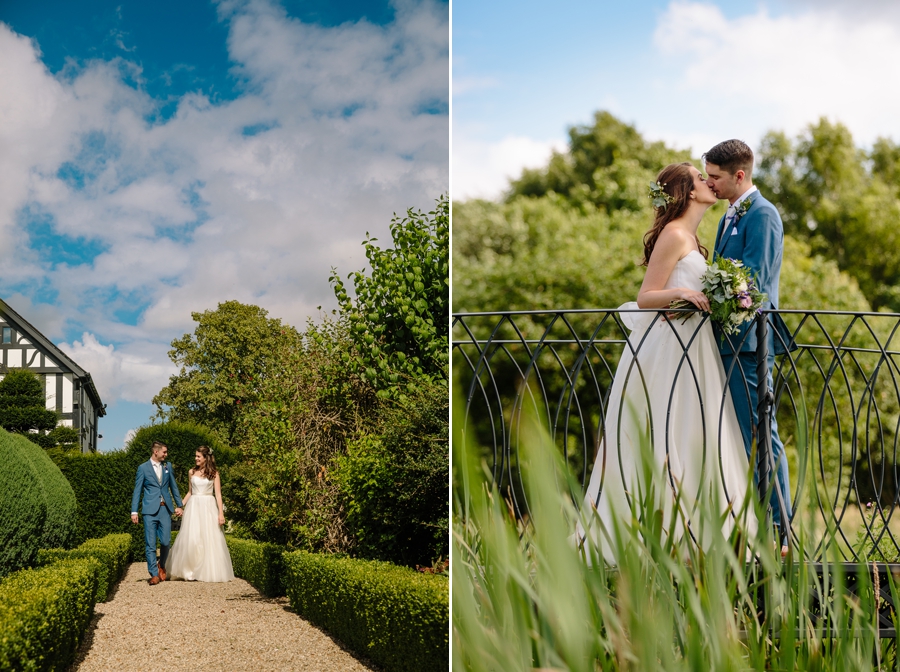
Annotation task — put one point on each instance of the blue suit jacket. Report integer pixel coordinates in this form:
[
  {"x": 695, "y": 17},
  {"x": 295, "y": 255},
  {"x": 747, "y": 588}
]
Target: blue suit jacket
[
  {"x": 145, "y": 482},
  {"x": 758, "y": 241}
]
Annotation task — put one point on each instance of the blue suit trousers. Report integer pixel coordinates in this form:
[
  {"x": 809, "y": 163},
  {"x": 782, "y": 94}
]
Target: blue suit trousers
[
  {"x": 157, "y": 526},
  {"x": 744, "y": 369}
]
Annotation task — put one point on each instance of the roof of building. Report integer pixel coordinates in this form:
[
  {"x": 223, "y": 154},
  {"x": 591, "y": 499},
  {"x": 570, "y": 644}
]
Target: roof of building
[{"x": 38, "y": 338}]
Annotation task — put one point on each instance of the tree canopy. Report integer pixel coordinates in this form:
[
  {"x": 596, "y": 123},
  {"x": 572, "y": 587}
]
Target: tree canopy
[
  {"x": 607, "y": 165},
  {"x": 843, "y": 200},
  {"x": 398, "y": 318},
  {"x": 222, "y": 364},
  {"x": 23, "y": 407}
]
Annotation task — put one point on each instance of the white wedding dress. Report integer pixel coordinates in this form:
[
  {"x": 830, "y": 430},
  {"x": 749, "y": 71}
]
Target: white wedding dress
[
  {"x": 669, "y": 392},
  {"x": 200, "y": 552}
]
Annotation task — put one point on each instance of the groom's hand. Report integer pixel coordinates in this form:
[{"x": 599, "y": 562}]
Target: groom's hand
[
  {"x": 134, "y": 518},
  {"x": 179, "y": 511}
]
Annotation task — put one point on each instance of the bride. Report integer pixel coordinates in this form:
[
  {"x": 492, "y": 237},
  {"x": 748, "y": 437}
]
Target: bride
[
  {"x": 669, "y": 392},
  {"x": 200, "y": 552}
]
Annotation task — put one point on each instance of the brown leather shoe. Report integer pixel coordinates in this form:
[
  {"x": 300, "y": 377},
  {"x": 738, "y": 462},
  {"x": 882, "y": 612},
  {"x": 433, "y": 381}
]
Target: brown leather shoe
[
  {"x": 154, "y": 580},
  {"x": 162, "y": 574}
]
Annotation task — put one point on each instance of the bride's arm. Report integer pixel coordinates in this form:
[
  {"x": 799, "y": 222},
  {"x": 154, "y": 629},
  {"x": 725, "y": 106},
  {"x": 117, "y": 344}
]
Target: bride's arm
[
  {"x": 187, "y": 496},
  {"x": 218, "y": 488},
  {"x": 668, "y": 250}
]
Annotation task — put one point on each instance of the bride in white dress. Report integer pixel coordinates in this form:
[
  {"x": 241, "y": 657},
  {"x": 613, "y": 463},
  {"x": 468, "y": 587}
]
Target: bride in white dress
[
  {"x": 669, "y": 392},
  {"x": 200, "y": 552}
]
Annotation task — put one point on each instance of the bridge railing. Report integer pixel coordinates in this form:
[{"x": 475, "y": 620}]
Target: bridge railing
[{"x": 835, "y": 396}]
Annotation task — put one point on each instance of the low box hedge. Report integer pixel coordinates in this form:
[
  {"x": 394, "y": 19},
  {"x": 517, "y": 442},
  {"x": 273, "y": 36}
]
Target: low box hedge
[
  {"x": 395, "y": 616},
  {"x": 113, "y": 551},
  {"x": 258, "y": 563},
  {"x": 45, "y": 612}
]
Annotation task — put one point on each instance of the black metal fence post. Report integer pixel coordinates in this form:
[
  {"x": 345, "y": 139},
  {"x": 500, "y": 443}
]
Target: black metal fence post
[{"x": 764, "y": 399}]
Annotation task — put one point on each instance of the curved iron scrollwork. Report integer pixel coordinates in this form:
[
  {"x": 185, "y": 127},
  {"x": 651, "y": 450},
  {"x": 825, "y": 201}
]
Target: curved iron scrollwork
[{"x": 835, "y": 394}]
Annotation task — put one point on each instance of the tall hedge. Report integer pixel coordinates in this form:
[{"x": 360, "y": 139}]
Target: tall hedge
[
  {"x": 103, "y": 482},
  {"x": 37, "y": 504}
]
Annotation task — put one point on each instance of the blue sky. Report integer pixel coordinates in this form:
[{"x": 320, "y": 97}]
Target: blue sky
[
  {"x": 690, "y": 73},
  {"x": 159, "y": 158}
]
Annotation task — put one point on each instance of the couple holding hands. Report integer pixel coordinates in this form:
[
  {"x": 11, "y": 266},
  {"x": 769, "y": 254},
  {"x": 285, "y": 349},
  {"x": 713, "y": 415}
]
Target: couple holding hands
[{"x": 200, "y": 552}]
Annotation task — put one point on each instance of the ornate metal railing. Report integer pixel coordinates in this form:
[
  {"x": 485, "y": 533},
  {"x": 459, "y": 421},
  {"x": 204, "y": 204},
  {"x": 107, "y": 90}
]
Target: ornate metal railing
[{"x": 835, "y": 396}]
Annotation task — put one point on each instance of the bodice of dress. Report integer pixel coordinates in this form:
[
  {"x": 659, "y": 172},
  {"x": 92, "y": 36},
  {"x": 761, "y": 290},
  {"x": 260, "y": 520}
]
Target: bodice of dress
[
  {"x": 201, "y": 486},
  {"x": 687, "y": 272}
]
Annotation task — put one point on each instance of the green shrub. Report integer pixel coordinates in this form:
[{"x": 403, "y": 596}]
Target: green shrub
[
  {"x": 259, "y": 563},
  {"x": 113, "y": 551},
  {"x": 37, "y": 504},
  {"x": 394, "y": 484},
  {"x": 44, "y": 614},
  {"x": 103, "y": 482},
  {"x": 393, "y": 615}
]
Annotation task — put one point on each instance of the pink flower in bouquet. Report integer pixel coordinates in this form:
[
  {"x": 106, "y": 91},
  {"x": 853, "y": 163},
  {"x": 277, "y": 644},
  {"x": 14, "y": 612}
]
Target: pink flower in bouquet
[{"x": 744, "y": 300}]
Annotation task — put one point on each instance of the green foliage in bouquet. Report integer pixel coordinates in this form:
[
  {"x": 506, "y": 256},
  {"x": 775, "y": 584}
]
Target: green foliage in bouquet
[{"x": 734, "y": 298}]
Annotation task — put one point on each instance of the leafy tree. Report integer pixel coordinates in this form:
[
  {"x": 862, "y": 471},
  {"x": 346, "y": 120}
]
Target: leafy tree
[
  {"x": 65, "y": 438},
  {"x": 607, "y": 165},
  {"x": 394, "y": 483},
  {"x": 23, "y": 407},
  {"x": 842, "y": 200},
  {"x": 398, "y": 319},
  {"x": 303, "y": 417},
  {"x": 222, "y": 365}
]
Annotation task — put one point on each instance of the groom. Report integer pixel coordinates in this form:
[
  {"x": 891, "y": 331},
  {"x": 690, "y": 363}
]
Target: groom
[
  {"x": 751, "y": 231},
  {"x": 155, "y": 479}
]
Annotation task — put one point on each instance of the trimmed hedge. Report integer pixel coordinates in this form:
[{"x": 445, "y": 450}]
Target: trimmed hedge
[
  {"x": 396, "y": 616},
  {"x": 103, "y": 482},
  {"x": 45, "y": 612},
  {"x": 38, "y": 507},
  {"x": 258, "y": 563},
  {"x": 113, "y": 551}
]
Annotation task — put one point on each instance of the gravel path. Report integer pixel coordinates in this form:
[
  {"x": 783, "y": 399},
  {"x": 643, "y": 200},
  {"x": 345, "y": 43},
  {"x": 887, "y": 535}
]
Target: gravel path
[{"x": 210, "y": 626}]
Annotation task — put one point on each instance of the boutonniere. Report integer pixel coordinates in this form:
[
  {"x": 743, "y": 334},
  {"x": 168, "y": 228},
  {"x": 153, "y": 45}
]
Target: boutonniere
[{"x": 742, "y": 209}]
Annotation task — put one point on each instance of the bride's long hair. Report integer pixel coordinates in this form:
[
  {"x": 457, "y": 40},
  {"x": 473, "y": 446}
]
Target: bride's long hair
[
  {"x": 678, "y": 183},
  {"x": 208, "y": 470}
]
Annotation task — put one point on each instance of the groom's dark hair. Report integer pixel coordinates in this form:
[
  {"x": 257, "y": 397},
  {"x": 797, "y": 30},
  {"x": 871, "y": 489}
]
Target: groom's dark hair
[
  {"x": 731, "y": 156},
  {"x": 155, "y": 444}
]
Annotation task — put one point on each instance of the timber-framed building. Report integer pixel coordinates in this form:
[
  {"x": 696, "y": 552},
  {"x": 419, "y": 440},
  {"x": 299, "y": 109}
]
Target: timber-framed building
[{"x": 70, "y": 391}]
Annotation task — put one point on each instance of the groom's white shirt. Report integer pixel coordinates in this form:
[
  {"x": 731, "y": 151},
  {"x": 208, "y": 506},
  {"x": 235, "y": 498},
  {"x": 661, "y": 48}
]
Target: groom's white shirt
[
  {"x": 157, "y": 467},
  {"x": 729, "y": 214}
]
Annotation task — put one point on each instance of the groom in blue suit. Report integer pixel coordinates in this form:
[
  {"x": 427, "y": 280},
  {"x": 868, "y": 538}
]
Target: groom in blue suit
[
  {"x": 155, "y": 480},
  {"x": 751, "y": 231}
]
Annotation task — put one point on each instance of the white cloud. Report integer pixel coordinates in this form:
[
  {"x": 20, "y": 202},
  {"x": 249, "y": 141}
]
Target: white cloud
[
  {"x": 136, "y": 374},
  {"x": 483, "y": 169},
  {"x": 191, "y": 211},
  {"x": 746, "y": 71}
]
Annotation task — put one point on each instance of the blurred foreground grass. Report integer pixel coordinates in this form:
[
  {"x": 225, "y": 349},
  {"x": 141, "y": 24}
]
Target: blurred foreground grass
[{"x": 524, "y": 598}]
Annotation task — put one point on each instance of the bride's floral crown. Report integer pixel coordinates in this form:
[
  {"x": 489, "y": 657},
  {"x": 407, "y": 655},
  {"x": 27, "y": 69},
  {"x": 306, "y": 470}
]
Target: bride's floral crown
[{"x": 658, "y": 197}]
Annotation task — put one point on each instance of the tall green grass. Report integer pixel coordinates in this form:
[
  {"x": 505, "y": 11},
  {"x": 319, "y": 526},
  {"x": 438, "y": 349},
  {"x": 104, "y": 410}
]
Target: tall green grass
[{"x": 525, "y": 598}]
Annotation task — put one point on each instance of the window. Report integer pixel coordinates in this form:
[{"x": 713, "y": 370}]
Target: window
[{"x": 7, "y": 335}]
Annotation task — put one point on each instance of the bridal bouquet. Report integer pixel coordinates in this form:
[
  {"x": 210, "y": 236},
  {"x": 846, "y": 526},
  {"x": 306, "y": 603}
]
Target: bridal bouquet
[{"x": 733, "y": 295}]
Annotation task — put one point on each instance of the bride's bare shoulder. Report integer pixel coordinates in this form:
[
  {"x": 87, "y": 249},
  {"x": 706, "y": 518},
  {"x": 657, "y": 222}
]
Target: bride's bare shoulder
[{"x": 677, "y": 240}]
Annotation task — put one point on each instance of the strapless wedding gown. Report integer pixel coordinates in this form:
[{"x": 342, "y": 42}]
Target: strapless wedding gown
[
  {"x": 669, "y": 393},
  {"x": 200, "y": 552}
]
